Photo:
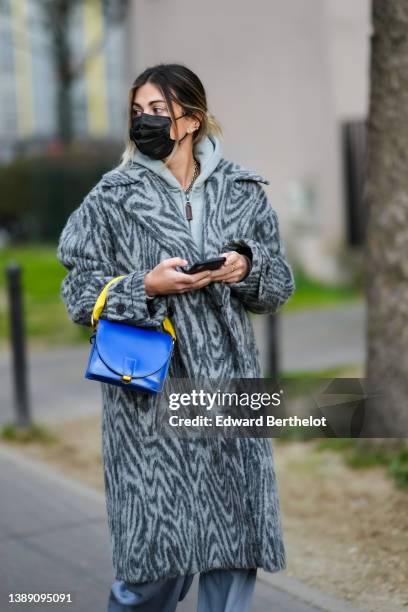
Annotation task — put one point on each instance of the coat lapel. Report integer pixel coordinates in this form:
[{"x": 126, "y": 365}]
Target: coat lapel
[
  {"x": 217, "y": 190},
  {"x": 153, "y": 205}
]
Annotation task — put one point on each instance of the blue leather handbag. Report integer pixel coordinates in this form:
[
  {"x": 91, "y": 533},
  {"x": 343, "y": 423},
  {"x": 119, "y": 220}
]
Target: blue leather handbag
[{"x": 126, "y": 355}]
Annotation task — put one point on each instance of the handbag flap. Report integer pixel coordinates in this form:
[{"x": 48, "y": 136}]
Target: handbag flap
[{"x": 130, "y": 350}]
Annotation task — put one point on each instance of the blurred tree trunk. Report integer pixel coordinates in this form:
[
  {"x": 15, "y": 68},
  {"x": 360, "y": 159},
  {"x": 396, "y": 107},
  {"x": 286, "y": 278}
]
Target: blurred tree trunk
[
  {"x": 57, "y": 16},
  {"x": 61, "y": 12},
  {"x": 386, "y": 198}
]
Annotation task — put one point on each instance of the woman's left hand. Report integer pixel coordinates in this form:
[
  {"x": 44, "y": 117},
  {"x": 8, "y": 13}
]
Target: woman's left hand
[{"x": 233, "y": 269}]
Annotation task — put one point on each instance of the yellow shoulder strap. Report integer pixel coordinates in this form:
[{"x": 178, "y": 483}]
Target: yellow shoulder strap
[
  {"x": 100, "y": 304},
  {"x": 168, "y": 326}
]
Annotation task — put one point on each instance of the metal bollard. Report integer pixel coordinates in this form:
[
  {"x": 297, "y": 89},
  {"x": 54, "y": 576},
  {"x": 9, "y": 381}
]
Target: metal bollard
[
  {"x": 272, "y": 330},
  {"x": 17, "y": 338}
]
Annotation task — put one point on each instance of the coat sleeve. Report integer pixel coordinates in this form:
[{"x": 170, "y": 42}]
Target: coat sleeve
[
  {"x": 86, "y": 250},
  {"x": 270, "y": 281}
]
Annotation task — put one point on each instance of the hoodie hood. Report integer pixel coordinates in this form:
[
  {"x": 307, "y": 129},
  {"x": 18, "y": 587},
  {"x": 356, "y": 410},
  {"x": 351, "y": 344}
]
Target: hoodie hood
[{"x": 208, "y": 152}]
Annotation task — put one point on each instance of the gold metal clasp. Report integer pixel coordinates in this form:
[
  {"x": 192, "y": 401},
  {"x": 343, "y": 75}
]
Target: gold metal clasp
[{"x": 126, "y": 378}]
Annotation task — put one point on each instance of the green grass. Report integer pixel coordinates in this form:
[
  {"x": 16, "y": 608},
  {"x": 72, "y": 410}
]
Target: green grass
[
  {"x": 46, "y": 318},
  {"x": 42, "y": 271},
  {"x": 45, "y": 314},
  {"x": 26, "y": 434},
  {"x": 310, "y": 293},
  {"x": 313, "y": 374},
  {"x": 301, "y": 382},
  {"x": 398, "y": 468},
  {"x": 356, "y": 456},
  {"x": 395, "y": 460}
]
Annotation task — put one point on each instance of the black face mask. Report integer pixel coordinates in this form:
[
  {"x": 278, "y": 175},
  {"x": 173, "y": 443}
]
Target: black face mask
[{"x": 151, "y": 134}]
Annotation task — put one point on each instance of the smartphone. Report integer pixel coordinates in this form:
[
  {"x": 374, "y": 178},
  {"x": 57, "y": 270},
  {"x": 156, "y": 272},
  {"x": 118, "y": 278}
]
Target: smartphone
[{"x": 208, "y": 264}]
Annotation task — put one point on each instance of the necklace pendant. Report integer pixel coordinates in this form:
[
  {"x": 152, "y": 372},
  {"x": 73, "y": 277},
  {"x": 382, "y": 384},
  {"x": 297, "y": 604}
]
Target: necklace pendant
[{"x": 189, "y": 211}]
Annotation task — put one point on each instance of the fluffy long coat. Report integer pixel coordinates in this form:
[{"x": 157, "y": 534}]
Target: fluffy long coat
[{"x": 174, "y": 505}]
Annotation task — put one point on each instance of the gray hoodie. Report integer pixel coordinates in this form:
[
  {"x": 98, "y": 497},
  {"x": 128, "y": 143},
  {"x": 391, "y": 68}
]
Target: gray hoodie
[{"x": 208, "y": 152}]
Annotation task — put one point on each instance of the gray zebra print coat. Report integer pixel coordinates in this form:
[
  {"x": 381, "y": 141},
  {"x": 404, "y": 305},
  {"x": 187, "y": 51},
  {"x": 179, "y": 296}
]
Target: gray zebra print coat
[{"x": 178, "y": 506}]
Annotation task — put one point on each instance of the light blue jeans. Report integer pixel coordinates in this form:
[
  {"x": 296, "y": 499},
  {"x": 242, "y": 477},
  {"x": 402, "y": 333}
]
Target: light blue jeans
[{"x": 219, "y": 590}]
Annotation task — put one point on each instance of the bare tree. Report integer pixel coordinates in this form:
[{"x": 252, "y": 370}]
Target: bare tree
[
  {"x": 386, "y": 196},
  {"x": 57, "y": 16}
]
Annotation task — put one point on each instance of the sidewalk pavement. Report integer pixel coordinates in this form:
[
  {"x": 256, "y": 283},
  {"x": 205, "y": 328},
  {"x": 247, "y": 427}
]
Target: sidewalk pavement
[
  {"x": 312, "y": 339},
  {"x": 54, "y": 539}
]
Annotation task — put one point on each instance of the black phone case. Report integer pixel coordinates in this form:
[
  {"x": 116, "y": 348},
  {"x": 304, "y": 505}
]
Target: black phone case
[{"x": 209, "y": 264}]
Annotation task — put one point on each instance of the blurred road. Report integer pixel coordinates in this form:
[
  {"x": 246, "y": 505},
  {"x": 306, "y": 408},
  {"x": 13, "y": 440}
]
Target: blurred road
[
  {"x": 309, "y": 340},
  {"x": 54, "y": 539},
  {"x": 317, "y": 339}
]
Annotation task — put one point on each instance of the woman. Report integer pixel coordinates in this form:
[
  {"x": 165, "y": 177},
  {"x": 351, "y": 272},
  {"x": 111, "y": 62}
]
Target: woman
[{"x": 178, "y": 506}]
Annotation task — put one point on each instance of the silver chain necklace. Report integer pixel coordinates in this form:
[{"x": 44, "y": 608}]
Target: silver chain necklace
[{"x": 189, "y": 211}]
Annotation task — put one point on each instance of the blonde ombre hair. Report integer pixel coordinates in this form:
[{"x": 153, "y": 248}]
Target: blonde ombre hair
[{"x": 177, "y": 83}]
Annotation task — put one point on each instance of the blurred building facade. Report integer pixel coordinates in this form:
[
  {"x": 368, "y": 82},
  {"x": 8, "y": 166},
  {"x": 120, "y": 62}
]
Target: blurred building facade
[
  {"x": 282, "y": 76},
  {"x": 27, "y": 78}
]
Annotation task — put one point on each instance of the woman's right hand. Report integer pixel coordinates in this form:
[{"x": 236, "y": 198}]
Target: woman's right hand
[{"x": 164, "y": 279}]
